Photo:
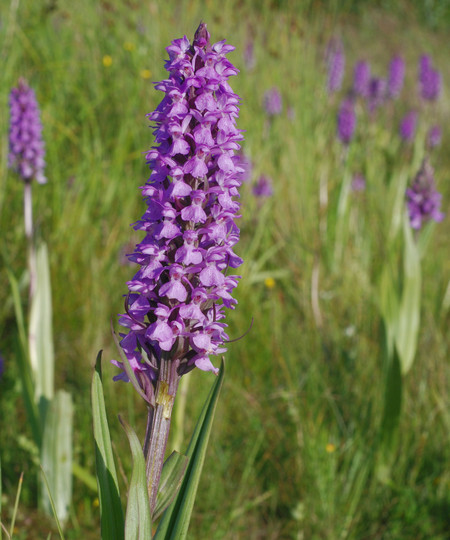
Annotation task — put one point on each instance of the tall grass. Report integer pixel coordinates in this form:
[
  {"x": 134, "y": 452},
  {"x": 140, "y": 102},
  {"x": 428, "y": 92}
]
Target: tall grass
[{"x": 292, "y": 453}]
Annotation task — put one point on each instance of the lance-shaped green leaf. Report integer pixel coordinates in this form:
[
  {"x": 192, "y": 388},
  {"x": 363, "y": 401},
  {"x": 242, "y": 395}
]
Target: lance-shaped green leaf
[
  {"x": 25, "y": 371},
  {"x": 409, "y": 312},
  {"x": 52, "y": 503},
  {"x": 56, "y": 455},
  {"x": 138, "y": 523},
  {"x": 171, "y": 477},
  {"x": 112, "y": 522},
  {"x": 175, "y": 521},
  {"x": 40, "y": 335},
  {"x": 391, "y": 414}
]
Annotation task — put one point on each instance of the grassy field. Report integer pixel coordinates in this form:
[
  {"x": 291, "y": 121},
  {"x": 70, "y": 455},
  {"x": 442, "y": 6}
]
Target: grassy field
[{"x": 294, "y": 452}]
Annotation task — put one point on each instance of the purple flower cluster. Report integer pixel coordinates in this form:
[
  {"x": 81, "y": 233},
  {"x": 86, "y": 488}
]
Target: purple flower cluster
[
  {"x": 430, "y": 81},
  {"x": 377, "y": 93},
  {"x": 408, "y": 126},
  {"x": 423, "y": 199},
  {"x": 361, "y": 78},
  {"x": 346, "y": 121},
  {"x": 26, "y": 147},
  {"x": 396, "y": 76},
  {"x": 263, "y": 187},
  {"x": 434, "y": 136},
  {"x": 273, "y": 103},
  {"x": 175, "y": 306},
  {"x": 336, "y": 66}
]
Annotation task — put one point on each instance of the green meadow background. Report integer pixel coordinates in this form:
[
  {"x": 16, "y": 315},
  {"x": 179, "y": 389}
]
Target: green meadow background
[{"x": 293, "y": 449}]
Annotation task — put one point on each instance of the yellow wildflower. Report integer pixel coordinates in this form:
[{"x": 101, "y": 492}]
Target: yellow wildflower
[
  {"x": 146, "y": 73},
  {"x": 330, "y": 448},
  {"x": 107, "y": 60},
  {"x": 269, "y": 282}
]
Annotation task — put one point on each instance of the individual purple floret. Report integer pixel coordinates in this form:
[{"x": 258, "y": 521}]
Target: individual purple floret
[
  {"x": 26, "y": 147},
  {"x": 361, "y": 78},
  {"x": 346, "y": 121},
  {"x": 434, "y": 136},
  {"x": 175, "y": 307},
  {"x": 430, "y": 81},
  {"x": 396, "y": 77},
  {"x": 263, "y": 187},
  {"x": 336, "y": 65},
  {"x": 408, "y": 126},
  {"x": 422, "y": 198},
  {"x": 273, "y": 103},
  {"x": 377, "y": 93}
]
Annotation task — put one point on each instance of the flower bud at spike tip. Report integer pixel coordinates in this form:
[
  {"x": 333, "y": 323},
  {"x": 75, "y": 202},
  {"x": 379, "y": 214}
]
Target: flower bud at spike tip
[{"x": 175, "y": 307}]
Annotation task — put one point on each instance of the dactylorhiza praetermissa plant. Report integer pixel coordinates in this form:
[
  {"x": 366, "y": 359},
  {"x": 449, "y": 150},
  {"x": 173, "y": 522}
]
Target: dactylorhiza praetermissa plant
[
  {"x": 361, "y": 78},
  {"x": 336, "y": 65},
  {"x": 273, "y": 103},
  {"x": 430, "y": 80},
  {"x": 423, "y": 199},
  {"x": 26, "y": 147},
  {"x": 174, "y": 310},
  {"x": 377, "y": 93},
  {"x": 396, "y": 77},
  {"x": 408, "y": 126},
  {"x": 263, "y": 187},
  {"x": 346, "y": 121},
  {"x": 50, "y": 416}
]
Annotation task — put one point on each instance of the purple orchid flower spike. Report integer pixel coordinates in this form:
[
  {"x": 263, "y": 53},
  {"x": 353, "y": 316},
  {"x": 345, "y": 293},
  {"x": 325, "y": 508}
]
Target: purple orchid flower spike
[
  {"x": 430, "y": 79},
  {"x": 396, "y": 77},
  {"x": 174, "y": 310},
  {"x": 361, "y": 78},
  {"x": 335, "y": 57},
  {"x": 263, "y": 187},
  {"x": 346, "y": 121},
  {"x": 26, "y": 147},
  {"x": 423, "y": 199},
  {"x": 408, "y": 126},
  {"x": 273, "y": 103}
]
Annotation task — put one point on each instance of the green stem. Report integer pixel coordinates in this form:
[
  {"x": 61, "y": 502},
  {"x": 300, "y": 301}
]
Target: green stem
[{"x": 160, "y": 424}]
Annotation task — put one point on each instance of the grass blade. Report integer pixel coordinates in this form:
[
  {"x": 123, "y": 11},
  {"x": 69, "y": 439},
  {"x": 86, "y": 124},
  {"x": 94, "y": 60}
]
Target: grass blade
[{"x": 16, "y": 505}]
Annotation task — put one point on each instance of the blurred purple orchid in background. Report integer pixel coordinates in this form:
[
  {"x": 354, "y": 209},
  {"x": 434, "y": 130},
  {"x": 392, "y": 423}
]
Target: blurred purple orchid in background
[
  {"x": 273, "y": 103},
  {"x": 396, "y": 77},
  {"x": 263, "y": 187},
  {"x": 422, "y": 198},
  {"x": 26, "y": 147},
  {"x": 408, "y": 126}
]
